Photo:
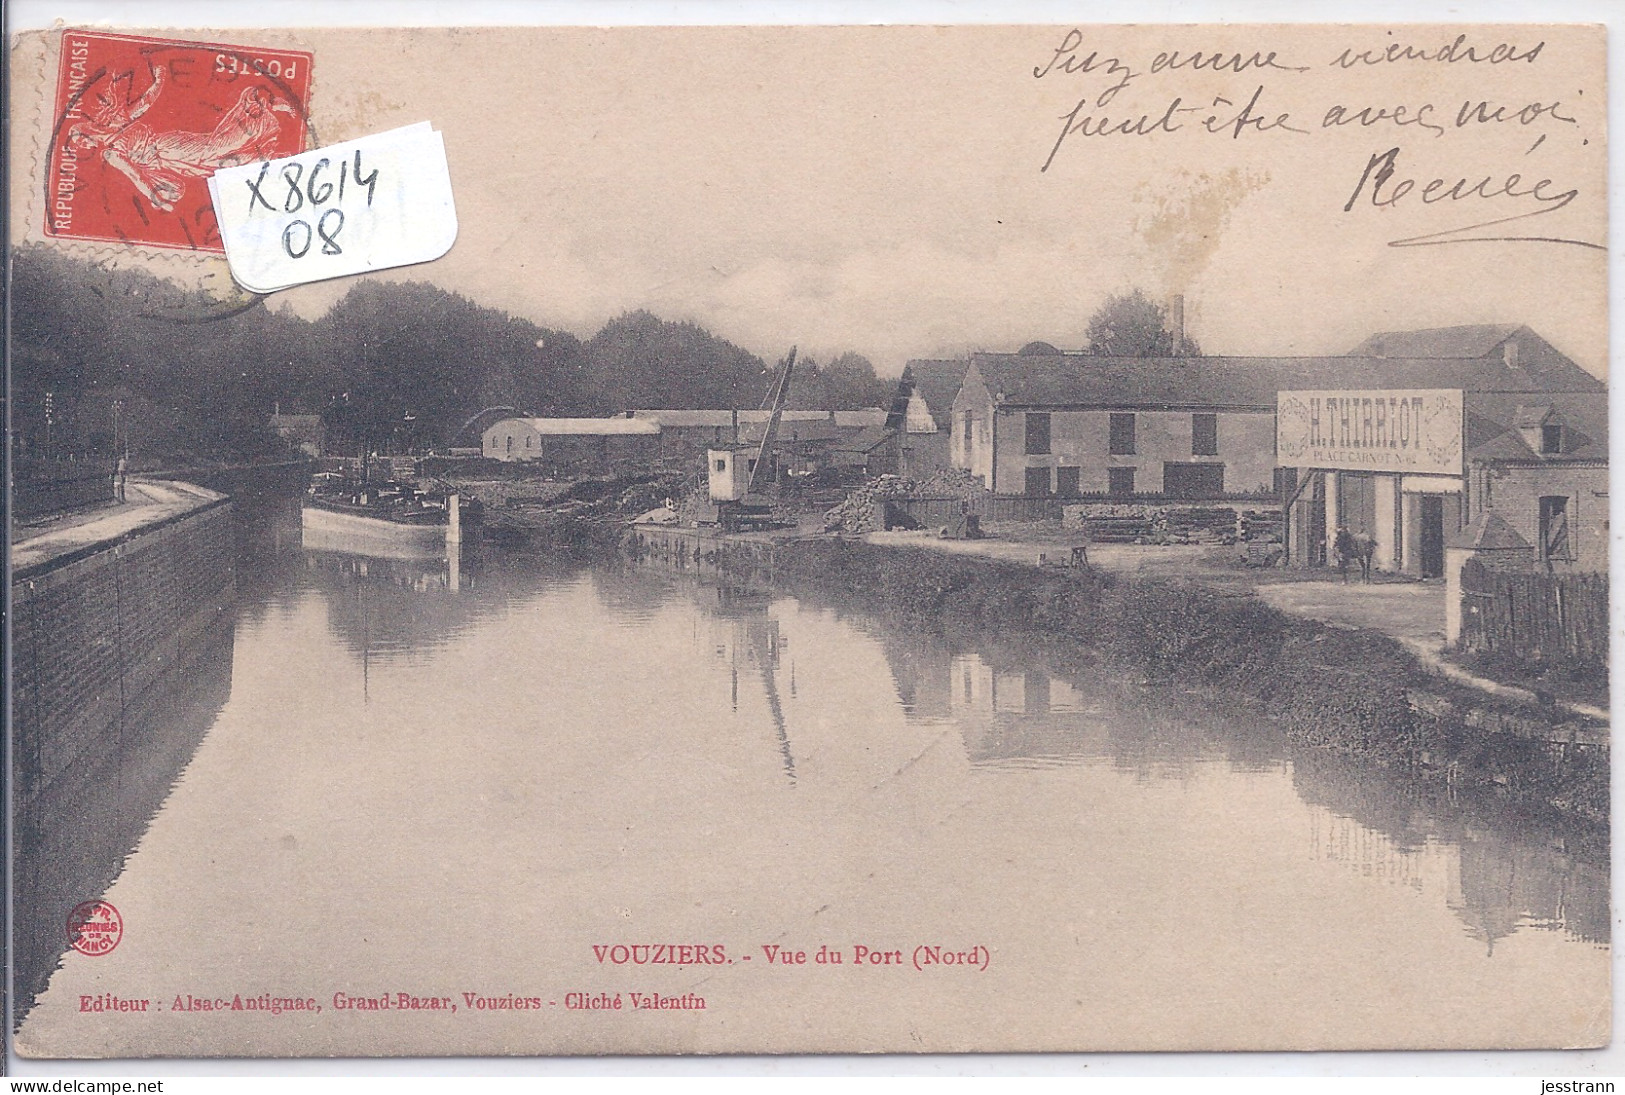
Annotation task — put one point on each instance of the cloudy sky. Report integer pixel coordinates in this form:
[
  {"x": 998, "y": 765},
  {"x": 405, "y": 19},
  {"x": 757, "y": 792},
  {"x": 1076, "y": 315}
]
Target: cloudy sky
[{"x": 884, "y": 189}]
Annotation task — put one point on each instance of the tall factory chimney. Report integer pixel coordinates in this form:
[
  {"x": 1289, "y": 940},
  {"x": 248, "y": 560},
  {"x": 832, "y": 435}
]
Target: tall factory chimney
[{"x": 1176, "y": 322}]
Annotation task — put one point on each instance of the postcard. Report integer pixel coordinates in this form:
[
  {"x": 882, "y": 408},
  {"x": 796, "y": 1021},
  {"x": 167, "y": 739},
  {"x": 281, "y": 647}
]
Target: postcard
[{"x": 808, "y": 539}]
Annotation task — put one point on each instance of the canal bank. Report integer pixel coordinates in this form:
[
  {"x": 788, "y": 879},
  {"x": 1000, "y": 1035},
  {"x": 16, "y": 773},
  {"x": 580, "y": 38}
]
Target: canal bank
[
  {"x": 120, "y": 617},
  {"x": 1350, "y": 691}
]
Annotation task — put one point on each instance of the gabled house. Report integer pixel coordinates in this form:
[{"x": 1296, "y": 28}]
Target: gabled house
[
  {"x": 922, "y": 414},
  {"x": 303, "y": 432},
  {"x": 1542, "y": 467}
]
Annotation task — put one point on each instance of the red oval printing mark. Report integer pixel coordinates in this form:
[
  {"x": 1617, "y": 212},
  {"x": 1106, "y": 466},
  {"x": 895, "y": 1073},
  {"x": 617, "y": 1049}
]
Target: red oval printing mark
[{"x": 94, "y": 928}]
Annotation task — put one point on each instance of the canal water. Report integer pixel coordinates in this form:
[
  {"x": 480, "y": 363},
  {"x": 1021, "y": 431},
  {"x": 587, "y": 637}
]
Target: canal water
[{"x": 527, "y": 790}]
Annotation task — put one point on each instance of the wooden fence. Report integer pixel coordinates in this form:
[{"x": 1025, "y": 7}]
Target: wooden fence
[
  {"x": 931, "y": 512},
  {"x": 1547, "y": 616}
]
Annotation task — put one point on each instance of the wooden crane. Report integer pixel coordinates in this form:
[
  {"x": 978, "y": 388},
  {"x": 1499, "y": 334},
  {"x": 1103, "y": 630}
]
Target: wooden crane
[{"x": 741, "y": 500}]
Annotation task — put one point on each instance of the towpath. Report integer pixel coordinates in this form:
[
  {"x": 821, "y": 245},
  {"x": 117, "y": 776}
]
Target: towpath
[{"x": 147, "y": 502}]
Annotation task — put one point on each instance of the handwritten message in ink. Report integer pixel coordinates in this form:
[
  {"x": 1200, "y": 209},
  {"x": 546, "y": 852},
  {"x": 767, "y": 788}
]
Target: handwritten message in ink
[
  {"x": 369, "y": 204},
  {"x": 1466, "y": 122}
]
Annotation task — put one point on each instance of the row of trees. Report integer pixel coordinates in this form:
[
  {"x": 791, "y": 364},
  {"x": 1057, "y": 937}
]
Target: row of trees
[{"x": 107, "y": 358}]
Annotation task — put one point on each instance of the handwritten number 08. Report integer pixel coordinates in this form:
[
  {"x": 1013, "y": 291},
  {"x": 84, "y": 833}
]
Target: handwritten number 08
[{"x": 330, "y": 242}]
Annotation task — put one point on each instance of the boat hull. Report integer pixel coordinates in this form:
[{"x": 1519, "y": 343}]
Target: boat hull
[{"x": 330, "y": 530}]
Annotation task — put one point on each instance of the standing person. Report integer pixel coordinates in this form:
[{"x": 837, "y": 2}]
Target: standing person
[
  {"x": 120, "y": 474},
  {"x": 1346, "y": 551}
]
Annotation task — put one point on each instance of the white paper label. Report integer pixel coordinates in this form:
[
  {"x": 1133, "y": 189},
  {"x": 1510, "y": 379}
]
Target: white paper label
[{"x": 368, "y": 204}]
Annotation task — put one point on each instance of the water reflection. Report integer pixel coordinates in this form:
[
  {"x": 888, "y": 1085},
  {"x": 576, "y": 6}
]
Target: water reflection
[
  {"x": 604, "y": 746},
  {"x": 635, "y": 596},
  {"x": 72, "y": 839},
  {"x": 1014, "y": 709},
  {"x": 743, "y": 635},
  {"x": 406, "y": 607},
  {"x": 1497, "y": 869},
  {"x": 270, "y": 549},
  {"x": 388, "y": 608}
]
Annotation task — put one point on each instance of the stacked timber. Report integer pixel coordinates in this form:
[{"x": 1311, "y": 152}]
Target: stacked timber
[
  {"x": 1133, "y": 529},
  {"x": 863, "y": 510},
  {"x": 1199, "y": 525},
  {"x": 1260, "y": 524}
]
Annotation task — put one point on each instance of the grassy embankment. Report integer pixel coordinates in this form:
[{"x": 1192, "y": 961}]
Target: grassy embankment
[{"x": 1352, "y": 692}]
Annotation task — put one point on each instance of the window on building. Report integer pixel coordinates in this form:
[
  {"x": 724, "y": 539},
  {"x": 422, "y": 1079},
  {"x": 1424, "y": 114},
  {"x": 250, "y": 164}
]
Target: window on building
[
  {"x": 1120, "y": 481},
  {"x": 510, "y": 444},
  {"x": 968, "y": 421},
  {"x": 1037, "y": 433},
  {"x": 722, "y": 464},
  {"x": 1121, "y": 442},
  {"x": 1067, "y": 482},
  {"x": 1204, "y": 435},
  {"x": 1038, "y": 482},
  {"x": 1554, "y": 528},
  {"x": 1551, "y": 438}
]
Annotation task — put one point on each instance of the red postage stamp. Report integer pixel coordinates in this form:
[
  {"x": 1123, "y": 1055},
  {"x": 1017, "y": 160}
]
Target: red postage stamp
[
  {"x": 140, "y": 123},
  {"x": 95, "y": 928}
]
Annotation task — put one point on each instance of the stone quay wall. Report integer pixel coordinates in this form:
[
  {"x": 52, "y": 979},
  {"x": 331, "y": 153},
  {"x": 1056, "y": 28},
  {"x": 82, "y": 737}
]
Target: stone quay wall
[{"x": 95, "y": 630}]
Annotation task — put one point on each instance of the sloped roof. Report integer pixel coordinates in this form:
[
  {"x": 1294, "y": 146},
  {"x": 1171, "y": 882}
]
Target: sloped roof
[
  {"x": 863, "y": 418},
  {"x": 1489, "y": 440},
  {"x": 821, "y": 429},
  {"x": 864, "y": 440},
  {"x": 680, "y": 418},
  {"x": 1077, "y": 379},
  {"x": 937, "y": 382},
  {"x": 1488, "y": 374},
  {"x": 1086, "y": 380},
  {"x": 302, "y": 421},
  {"x": 1489, "y": 532},
  {"x": 1493, "y": 434},
  {"x": 1532, "y": 416},
  {"x": 590, "y": 427},
  {"x": 1472, "y": 340}
]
